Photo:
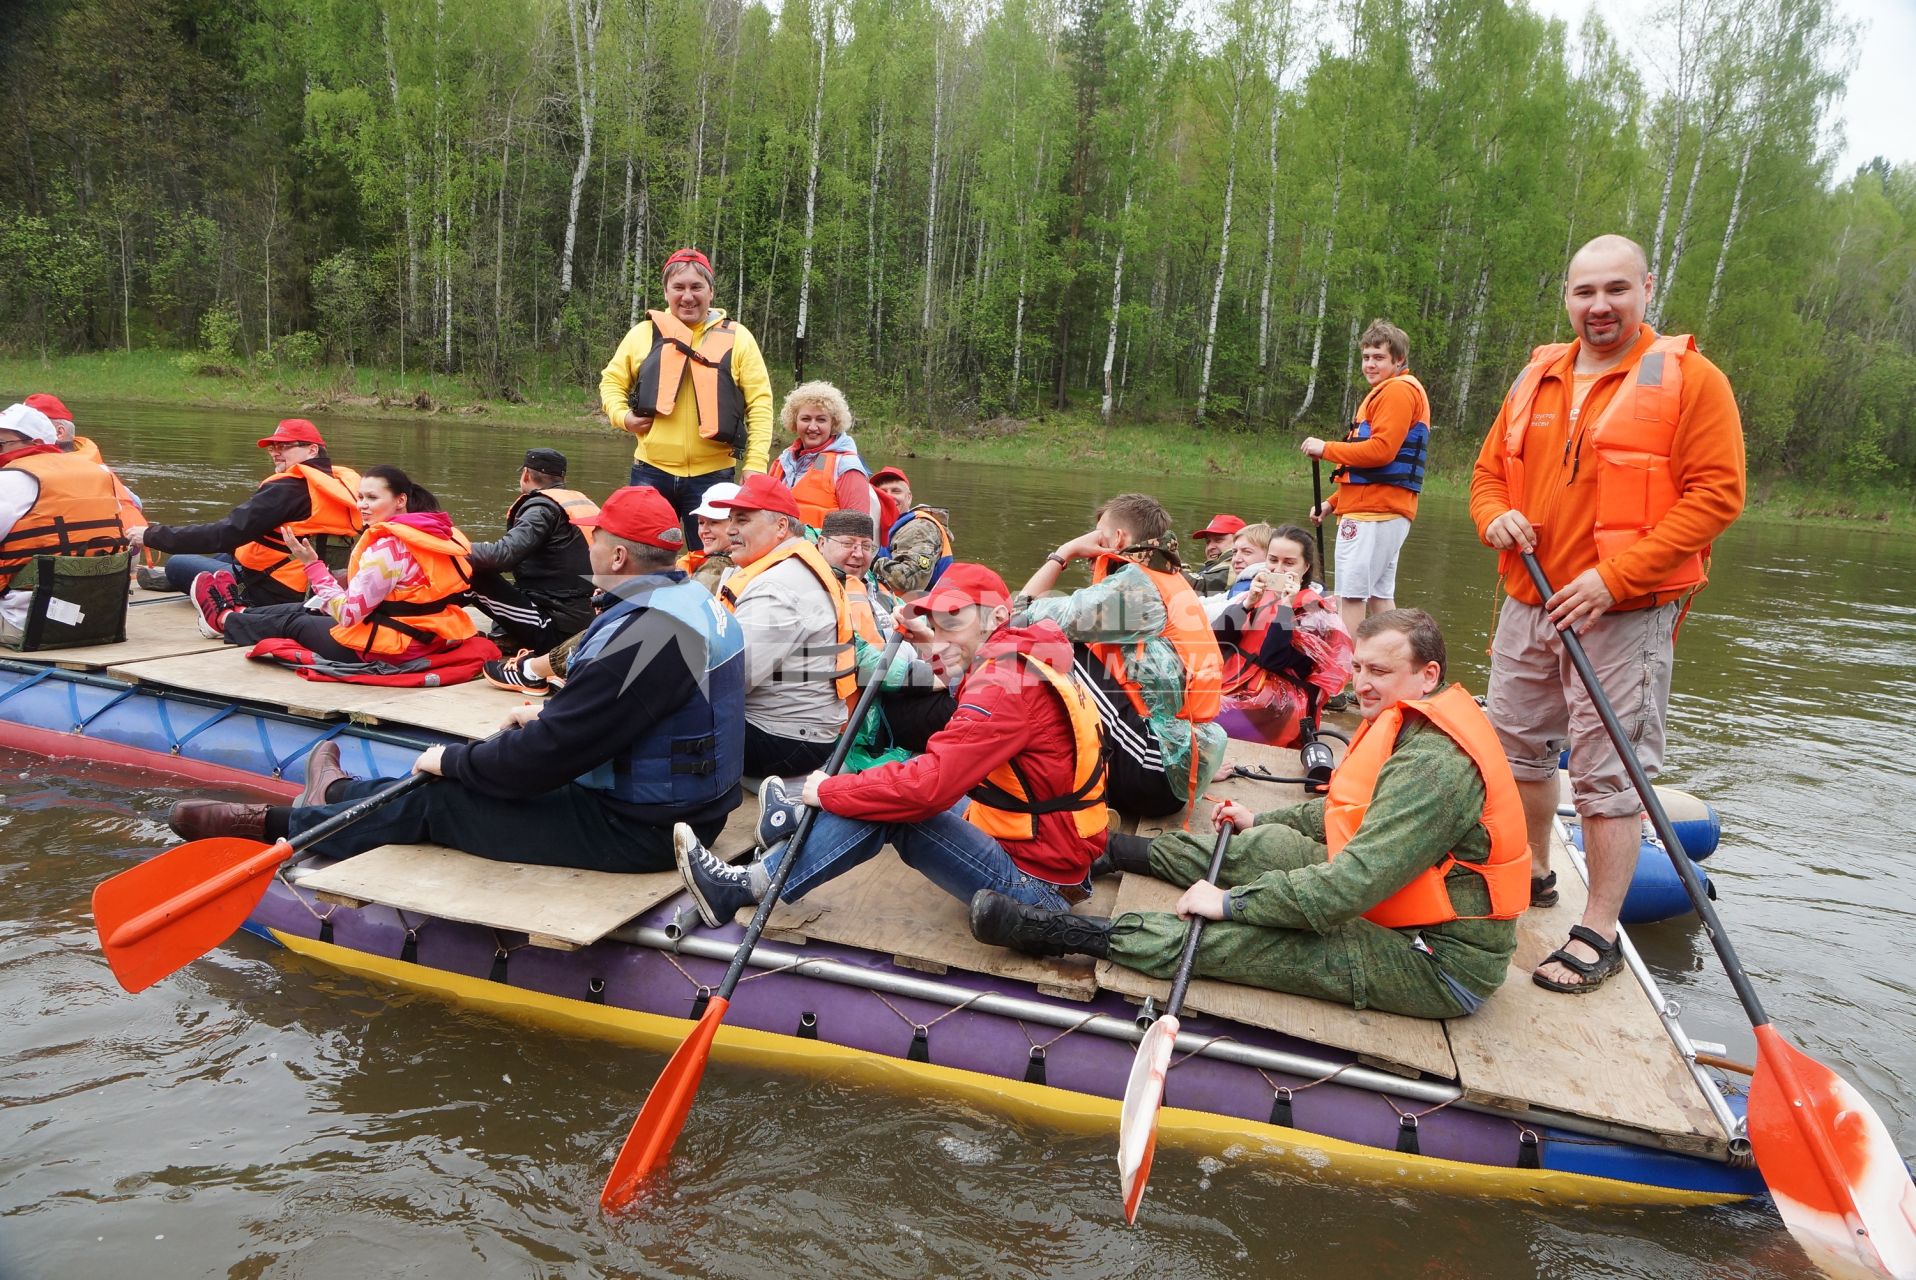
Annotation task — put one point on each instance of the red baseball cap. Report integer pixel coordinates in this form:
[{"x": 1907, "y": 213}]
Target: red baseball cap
[
  {"x": 960, "y": 585},
  {"x": 49, "y": 405},
  {"x": 692, "y": 256},
  {"x": 760, "y": 492},
  {"x": 639, "y": 513},
  {"x": 294, "y": 431},
  {"x": 1222, "y": 525},
  {"x": 888, "y": 473}
]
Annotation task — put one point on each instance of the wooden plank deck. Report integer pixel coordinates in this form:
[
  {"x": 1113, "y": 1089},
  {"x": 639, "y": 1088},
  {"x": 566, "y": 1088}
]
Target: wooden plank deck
[
  {"x": 1604, "y": 1055},
  {"x": 157, "y": 626}
]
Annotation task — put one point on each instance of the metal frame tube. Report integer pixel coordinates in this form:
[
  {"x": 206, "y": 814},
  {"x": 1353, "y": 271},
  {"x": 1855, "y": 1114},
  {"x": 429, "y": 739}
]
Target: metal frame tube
[{"x": 1114, "y": 1028}]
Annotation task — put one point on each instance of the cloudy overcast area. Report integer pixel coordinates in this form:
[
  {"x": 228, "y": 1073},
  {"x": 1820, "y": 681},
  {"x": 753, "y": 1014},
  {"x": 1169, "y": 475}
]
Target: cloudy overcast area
[{"x": 1879, "y": 105}]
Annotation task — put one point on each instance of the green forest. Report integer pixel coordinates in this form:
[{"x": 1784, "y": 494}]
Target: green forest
[{"x": 1126, "y": 208}]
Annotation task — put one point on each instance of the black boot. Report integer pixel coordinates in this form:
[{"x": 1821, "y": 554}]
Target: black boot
[
  {"x": 1123, "y": 852},
  {"x": 1006, "y": 922}
]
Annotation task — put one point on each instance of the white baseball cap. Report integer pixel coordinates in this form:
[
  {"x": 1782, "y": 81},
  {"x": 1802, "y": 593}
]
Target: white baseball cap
[
  {"x": 707, "y": 508},
  {"x": 29, "y": 422}
]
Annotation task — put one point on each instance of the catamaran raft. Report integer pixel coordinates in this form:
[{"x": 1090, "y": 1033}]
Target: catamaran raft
[{"x": 1610, "y": 1106}]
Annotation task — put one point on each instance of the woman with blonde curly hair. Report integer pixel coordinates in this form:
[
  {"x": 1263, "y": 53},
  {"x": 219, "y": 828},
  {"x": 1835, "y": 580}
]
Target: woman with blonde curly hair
[{"x": 821, "y": 466}]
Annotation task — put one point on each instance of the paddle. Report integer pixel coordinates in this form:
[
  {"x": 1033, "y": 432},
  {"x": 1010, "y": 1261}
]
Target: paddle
[
  {"x": 1317, "y": 510},
  {"x": 1830, "y": 1163},
  {"x": 172, "y": 909},
  {"x": 1144, "y": 1091},
  {"x": 658, "y": 1123}
]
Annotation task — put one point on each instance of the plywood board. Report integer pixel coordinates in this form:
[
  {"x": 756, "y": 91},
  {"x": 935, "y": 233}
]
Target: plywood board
[
  {"x": 885, "y": 906},
  {"x": 161, "y": 628},
  {"x": 1387, "y": 1039},
  {"x": 471, "y": 710},
  {"x": 553, "y": 906},
  {"x": 1259, "y": 794},
  {"x": 1604, "y": 1055}
]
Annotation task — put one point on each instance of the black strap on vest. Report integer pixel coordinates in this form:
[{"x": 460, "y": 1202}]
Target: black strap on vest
[{"x": 996, "y": 797}]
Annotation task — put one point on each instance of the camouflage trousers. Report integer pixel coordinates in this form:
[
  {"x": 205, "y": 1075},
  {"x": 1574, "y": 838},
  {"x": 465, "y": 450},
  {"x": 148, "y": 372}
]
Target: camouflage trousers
[{"x": 1357, "y": 963}]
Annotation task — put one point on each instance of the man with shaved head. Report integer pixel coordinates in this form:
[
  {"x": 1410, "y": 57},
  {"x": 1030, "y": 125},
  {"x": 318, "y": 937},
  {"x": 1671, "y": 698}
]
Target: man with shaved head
[{"x": 1618, "y": 459}]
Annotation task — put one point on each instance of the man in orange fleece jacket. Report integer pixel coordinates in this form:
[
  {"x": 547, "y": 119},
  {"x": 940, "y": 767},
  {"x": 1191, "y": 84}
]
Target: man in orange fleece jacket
[{"x": 1618, "y": 460}]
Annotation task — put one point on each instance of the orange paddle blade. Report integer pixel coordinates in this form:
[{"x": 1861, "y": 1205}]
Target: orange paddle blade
[
  {"x": 649, "y": 1144},
  {"x": 168, "y": 911},
  {"x": 1831, "y": 1166},
  {"x": 1138, "y": 1118}
]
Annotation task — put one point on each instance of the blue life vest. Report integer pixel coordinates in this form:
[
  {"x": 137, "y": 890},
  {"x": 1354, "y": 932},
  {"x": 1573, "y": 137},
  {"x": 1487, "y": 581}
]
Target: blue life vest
[
  {"x": 695, "y": 755},
  {"x": 1406, "y": 470}
]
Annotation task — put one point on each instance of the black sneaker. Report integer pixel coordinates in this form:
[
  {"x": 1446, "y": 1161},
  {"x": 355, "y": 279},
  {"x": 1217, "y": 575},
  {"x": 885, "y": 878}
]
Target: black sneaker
[
  {"x": 152, "y": 577},
  {"x": 718, "y": 888},
  {"x": 1003, "y": 921},
  {"x": 1341, "y": 702},
  {"x": 779, "y": 808},
  {"x": 511, "y": 674}
]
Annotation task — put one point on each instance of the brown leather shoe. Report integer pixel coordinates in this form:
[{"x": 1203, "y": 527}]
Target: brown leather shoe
[
  {"x": 200, "y": 819},
  {"x": 322, "y": 771}
]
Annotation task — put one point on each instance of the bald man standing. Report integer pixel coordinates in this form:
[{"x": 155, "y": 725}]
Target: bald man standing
[{"x": 1618, "y": 460}]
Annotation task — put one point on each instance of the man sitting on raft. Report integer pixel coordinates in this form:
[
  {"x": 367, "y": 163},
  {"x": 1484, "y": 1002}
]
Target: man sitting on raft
[
  {"x": 647, "y": 731},
  {"x": 306, "y": 495},
  {"x": 1398, "y": 891},
  {"x": 1008, "y": 796}
]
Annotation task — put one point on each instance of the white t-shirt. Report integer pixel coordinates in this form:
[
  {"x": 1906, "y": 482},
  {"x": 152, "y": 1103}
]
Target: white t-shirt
[{"x": 18, "y": 490}]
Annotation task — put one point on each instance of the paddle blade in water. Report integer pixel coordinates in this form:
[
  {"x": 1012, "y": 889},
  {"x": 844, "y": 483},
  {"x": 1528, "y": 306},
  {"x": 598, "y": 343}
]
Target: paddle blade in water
[
  {"x": 168, "y": 911},
  {"x": 1138, "y": 1119},
  {"x": 1830, "y": 1163},
  {"x": 649, "y": 1144}
]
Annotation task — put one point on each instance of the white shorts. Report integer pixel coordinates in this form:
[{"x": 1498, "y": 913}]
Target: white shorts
[{"x": 1367, "y": 557}]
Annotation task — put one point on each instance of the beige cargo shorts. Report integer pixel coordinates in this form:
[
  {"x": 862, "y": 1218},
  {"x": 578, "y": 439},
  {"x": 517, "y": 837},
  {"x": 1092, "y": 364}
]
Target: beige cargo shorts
[{"x": 1538, "y": 704}]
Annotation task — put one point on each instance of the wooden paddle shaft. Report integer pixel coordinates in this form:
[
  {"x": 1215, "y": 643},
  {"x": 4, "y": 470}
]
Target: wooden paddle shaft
[
  {"x": 1181, "y": 980},
  {"x": 1673, "y": 847},
  {"x": 804, "y": 827},
  {"x": 1317, "y": 511}
]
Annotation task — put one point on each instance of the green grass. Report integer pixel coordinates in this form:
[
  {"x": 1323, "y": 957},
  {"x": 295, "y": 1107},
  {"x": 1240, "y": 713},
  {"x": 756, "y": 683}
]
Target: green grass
[{"x": 1071, "y": 440}]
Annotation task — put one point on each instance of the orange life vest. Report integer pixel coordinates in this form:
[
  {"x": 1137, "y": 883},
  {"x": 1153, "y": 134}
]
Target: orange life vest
[
  {"x": 423, "y": 608},
  {"x": 131, "y": 515},
  {"x": 1003, "y": 807},
  {"x": 845, "y": 677},
  {"x": 1426, "y": 899},
  {"x": 721, "y": 409},
  {"x": 335, "y": 503},
  {"x": 576, "y": 506},
  {"x": 74, "y": 514},
  {"x": 1631, "y": 441},
  {"x": 817, "y": 489},
  {"x": 1188, "y": 630},
  {"x": 864, "y": 619}
]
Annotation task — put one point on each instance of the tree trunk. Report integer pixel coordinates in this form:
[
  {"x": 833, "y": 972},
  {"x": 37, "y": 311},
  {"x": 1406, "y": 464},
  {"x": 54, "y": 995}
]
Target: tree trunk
[
  {"x": 1108, "y": 404},
  {"x": 1323, "y": 286},
  {"x": 824, "y": 19},
  {"x": 409, "y": 299},
  {"x": 872, "y": 267},
  {"x": 585, "y": 74},
  {"x": 1667, "y": 281},
  {"x": 1729, "y": 231},
  {"x": 1467, "y": 365},
  {"x": 931, "y": 216},
  {"x": 1270, "y": 263},
  {"x": 1223, "y": 245}
]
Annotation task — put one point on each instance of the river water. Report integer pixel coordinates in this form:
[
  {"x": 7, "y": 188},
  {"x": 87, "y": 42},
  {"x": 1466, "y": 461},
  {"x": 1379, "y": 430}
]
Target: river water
[{"x": 259, "y": 1116}]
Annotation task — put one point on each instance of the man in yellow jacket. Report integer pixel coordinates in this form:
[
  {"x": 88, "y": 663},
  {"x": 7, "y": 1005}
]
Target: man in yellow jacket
[{"x": 691, "y": 385}]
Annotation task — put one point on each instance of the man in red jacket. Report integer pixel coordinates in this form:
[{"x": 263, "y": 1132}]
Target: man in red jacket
[{"x": 1009, "y": 795}]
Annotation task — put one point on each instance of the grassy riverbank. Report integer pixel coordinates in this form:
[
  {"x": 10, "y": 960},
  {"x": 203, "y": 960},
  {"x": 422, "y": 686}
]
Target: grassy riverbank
[{"x": 1075, "y": 440}]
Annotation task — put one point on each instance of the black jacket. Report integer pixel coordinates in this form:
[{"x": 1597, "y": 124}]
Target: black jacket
[{"x": 545, "y": 551}]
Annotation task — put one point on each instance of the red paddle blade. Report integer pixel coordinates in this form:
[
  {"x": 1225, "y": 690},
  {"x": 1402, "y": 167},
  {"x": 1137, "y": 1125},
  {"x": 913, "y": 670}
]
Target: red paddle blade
[
  {"x": 649, "y": 1144},
  {"x": 168, "y": 911},
  {"x": 1830, "y": 1163},
  {"x": 1138, "y": 1118}
]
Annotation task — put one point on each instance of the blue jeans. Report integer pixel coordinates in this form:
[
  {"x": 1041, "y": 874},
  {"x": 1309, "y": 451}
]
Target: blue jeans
[
  {"x": 944, "y": 848},
  {"x": 683, "y": 492},
  {"x": 181, "y": 570}
]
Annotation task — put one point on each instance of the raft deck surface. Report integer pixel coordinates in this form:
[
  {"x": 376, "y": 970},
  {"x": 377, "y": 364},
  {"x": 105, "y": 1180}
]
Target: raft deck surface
[
  {"x": 157, "y": 626},
  {"x": 1604, "y": 1056}
]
